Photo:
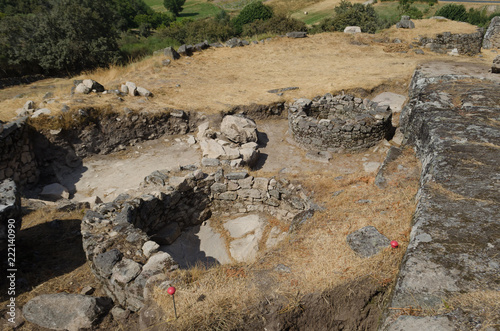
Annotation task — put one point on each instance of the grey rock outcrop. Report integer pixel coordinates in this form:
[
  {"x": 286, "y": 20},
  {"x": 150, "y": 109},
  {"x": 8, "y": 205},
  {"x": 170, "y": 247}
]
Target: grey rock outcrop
[
  {"x": 82, "y": 89},
  {"x": 352, "y": 29},
  {"x": 405, "y": 23},
  {"x": 454, "y": 238},
  {"x": 495, "y": 68},
  {"x": 10, "y": 209},
  {"x": 296, "y": 34},
  {"x": 185, "y": 50},
  {"x": 63, "y": 311},
  {"x": 92, "y": 85},
  {"x": 367, "y": 241},
  {"x": 239, "y": 129},
  {"x": 492, "y": 36},
  {"x": 171, "y": 53}
]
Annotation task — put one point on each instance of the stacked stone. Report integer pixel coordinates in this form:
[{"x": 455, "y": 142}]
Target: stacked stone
[
  {"x": 10, "y": 209},
  {"x": 339, "y": 122},
  {"x": 466, "y": 44},
  {"x": 17, "y": 160},
  {"x": 121, "y": 238}
]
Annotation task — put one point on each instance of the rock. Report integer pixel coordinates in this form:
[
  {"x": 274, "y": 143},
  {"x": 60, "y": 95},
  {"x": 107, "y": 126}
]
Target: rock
[
  {"x": 211, "y": 149},
  {"x": 492, "y": 36},
  {"x": 82, "y": 89},
  {"x": 418, "y": 51},
  {"x": 10, "y": 209},
  {"x": 29, "y": 105},
  {"x": 166, "y": 62},
  {"x": 367, "y": 241},
  {"x": 191, "y": 140},
  {"x": 371, "y": 166},
  {"x": 39, "y": 112},
  {"x": 210, "y": 162},
  {"x": 398, "y": 137},
  {"x": 239, "y": 129},
  {"x": 236, "y": 175},
  {"x": 405, "y": 23},
  {"x": 392, "y": 155},
  {"x": 68, "y": 205},
  {"x": 87, "y": 290},
  {"x": 150, "y": 247},
  {"x": 124, "y": 89},
  {"x": 55, "y": 192},
  {"x": 352, "y": 29},
  {"x": 202, "y": 131},
  {"x": 93, "y": 85},
  {"x": 393, "y": 100},
  {"x": 230, "y": 153},
  {"x": 63, "y": 311},
  {"x": 158, "y": 262},
  {"x": 168, "y": 234},
  {"x": 242, "y": 226},
  {"x": 495, "y": 68},
  {"x": 156, "y": 178},
  {"x": 12, "y": 319},
  {"x": 119, "y": 314},
  {"x": 275, "y": 237},
  {"x": 125, "y": 271},
  {"x": 296, "y": 34},
  {"x": 105, "y": 262},
  {"x": 171, "y": 53},
  {"x": 143, "y": 92},
  {"x": 132, "y": 88},
  {"x": 185, "y": 50},
  {"x": 454, "y": 52}
]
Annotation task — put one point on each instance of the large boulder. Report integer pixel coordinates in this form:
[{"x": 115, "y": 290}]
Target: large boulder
[
  {"x": 352, "y": 29},
  {"x": 63, "y": 311},
  {"x": 296, "y": 34},
  {"x": 405, "y": 23},
  {"x": 239, "y": 129},
  {"x": 495, "y": 68},
  {"x": 492, "y": 36},
  {"x": 10, "y": 209},
  {"x": 93, "y": 85},
  {"x": 367, "y": 241},
  {"x": 171, "y": 53}
]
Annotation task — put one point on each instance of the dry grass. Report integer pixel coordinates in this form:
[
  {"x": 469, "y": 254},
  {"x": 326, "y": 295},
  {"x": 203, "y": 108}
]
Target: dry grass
[
  {"x": 217, "y": 79},
  {"x": 317, "y": 254},
  {"x": 482, "y": 303}
]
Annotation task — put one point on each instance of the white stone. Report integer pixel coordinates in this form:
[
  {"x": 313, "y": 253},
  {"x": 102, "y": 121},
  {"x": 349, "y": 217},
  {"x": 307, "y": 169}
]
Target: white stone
[
  {"x": 39, "y": 112},
  {"x": 393, "y": 100},
  {"x": 202, "y": 129},
  {"x": 211, "y": 149},
  {"x": 82, "y": 89},
  {"x": 454, "y": 52},
  {"x": 191, "y": 140},
  {"x": 149, "y": 248},
  {"x": 143, "y": 92},
  {"x": 352, "y": 29},
  {"x": 251, "y": 145},
  {"x": 132, "y": 88},
  {"x": 371, "y": 166},
  {"x": 246, "y": 248},
  {"x": 230, "y": 153},
  {"x": 275, "y": 237}
]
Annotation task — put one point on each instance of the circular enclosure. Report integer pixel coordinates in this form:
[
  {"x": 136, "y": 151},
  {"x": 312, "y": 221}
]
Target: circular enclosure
[
  {"x": 122, "y": 239},
  {"x": 341, "y": 122}
]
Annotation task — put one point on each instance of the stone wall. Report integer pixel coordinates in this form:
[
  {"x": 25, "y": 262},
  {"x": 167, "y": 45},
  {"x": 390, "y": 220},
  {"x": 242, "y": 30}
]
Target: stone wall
[
  {"x": 121, "y": 239},
  {"x": 492, "y": 36},
  {"x": 339, "y": 122},
  {"x": 17, "y": 159},
  {"x": 466, "y": 44},
  {"x": 454, "y": 244}
]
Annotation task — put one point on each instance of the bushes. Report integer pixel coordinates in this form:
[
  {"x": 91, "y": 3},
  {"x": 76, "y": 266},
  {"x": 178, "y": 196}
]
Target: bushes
[
  {"x": 348, "y": 14},
  {"x": 191, "y": 32},
  {"x": 459, "y": 13},
  {"x": 252, "y": 12},
  {"x": 278, "y": 24},
  {"x": 174, "y": 6}
]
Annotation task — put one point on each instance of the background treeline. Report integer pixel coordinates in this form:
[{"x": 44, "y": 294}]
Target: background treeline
[{"x": 53, "y": 37}]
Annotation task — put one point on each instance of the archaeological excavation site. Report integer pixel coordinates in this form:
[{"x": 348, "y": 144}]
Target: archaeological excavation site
[{"x": 347, "y": 197}]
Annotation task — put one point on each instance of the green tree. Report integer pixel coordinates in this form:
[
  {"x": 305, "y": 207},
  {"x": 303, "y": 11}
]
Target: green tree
[
  {"x": 72, "y": 36},
  {"x": 253, "y": 11},
  {"x": 348, "y": 14},
  {"x": 174, "y": 6}
]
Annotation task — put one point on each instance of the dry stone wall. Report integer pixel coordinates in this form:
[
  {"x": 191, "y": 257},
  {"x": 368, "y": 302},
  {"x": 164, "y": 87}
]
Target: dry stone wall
[
  {"x": 466, "y": 44},
  {"x": 339, "y": 122},
  {"x": 492, "y": 36},
  {"x": 454, "y": 243},
  {"x": 17, "y": 159},
  {"x": 121, "y": 239}
]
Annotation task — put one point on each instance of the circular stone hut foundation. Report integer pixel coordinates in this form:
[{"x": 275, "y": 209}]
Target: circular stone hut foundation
[
  {"x": 122, "y": 239},
  {"x": 341, "y": 122}
]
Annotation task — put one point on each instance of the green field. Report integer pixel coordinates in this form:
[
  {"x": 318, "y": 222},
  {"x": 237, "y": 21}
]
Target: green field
[{"x": 194, "y": 9}]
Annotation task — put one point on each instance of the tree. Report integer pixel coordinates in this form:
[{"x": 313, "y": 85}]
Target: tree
[
  {"x": 175, "y": 6},
  {"x": 253, "y": 11},
  {"x": 72, "y": 36}
]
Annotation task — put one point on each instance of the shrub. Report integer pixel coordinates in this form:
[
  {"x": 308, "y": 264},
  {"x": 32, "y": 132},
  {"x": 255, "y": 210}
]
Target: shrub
[
  {"x": 348, "y": 14},
  {"x": 174, "y": 6},
  {"x": 413, "y": 12},
  {"x": 453, "y": 12},
  {"x": 191, "y": 32},
  {"x": 251, "y": 12},
  {"x": 278, "y": 24}
]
